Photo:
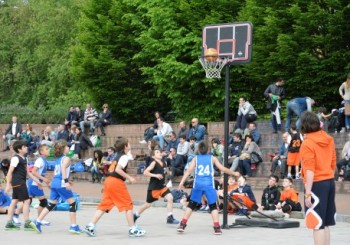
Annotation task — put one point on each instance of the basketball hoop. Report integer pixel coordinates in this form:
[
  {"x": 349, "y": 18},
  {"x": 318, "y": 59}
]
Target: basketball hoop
[{"x": 213, "y": 66}]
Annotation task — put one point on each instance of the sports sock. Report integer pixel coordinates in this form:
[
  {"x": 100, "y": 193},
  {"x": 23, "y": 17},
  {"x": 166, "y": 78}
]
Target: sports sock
[
  {"x": 184, "y": 220},
  {"x": 73, "y": 225},
  {"x": 91, "y": 225},
  {"x": 216, "y": 224},
  {"x": 137, "y": 214}
]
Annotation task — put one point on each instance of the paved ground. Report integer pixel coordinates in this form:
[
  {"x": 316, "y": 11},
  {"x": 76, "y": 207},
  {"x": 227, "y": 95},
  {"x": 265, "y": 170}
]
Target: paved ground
[{"x": 113, "y": 228}]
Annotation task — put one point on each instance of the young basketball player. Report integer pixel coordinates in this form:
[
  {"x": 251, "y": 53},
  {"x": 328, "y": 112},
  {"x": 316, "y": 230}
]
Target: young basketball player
[
  {"x": 60, "y": 187},
  {"x": 293, "y": 158},
  {"x": 203, "y": 184},
  {"x": 156, "y": 187},
  {"x": 115, "y": 192},
  {"x": 16, "y": 179},
  {"x": 35, "y": 187}
]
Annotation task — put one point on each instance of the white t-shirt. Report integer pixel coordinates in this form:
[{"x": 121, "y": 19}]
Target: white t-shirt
[
  {"x": 15, "y": 161},
  {"x": 123, "y": 161},
  {"x": 40, "y": 164},
  {"x": 14, "y": 129}
]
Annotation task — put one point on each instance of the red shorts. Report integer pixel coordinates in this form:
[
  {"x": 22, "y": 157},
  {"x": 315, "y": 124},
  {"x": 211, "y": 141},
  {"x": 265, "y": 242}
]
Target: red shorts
[
  {"x": 293, "y": 159},
  {"x": 116, "y": 194}
]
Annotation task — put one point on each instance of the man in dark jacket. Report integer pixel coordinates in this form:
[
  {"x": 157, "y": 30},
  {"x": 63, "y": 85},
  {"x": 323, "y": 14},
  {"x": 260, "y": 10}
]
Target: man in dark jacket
[
  {"x": 13, "y": 131},
  {"x": 271, "y": 194},
  {"x": 275, "y": 93}
]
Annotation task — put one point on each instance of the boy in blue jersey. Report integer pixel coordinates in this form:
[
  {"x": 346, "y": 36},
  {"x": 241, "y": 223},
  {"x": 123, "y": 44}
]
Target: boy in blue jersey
[
  {"x": 35, "y": 183},
  {"x": 203, "y": 184},
  {"x": 60, "y": 187}
]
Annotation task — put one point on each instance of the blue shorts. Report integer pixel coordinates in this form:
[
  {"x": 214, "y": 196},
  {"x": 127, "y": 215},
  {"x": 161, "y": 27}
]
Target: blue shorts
[
  {"x": 325, "y": 209},
  {"x": 62, "y": 193},
  {"x": 34, "y": 191},
  {"x": 210, "y": 193}
]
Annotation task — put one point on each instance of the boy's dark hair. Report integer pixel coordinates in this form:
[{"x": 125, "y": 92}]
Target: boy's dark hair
[
  {"x": 18, "y": 145},
  {"x": 215, "y": 140},
  {"x": 290, "y": 179},
  {"x": 111, "y": 148},
  {"x": 5, "y": 161},
  {"x": 182, "y": 136},
  {"x": 249, "y": 136},
  {"x": 193, "y": 138},
  {"x": 120, "y": 144},
  {"x": 309, "y": 122},
  {"x": 238, "y": 135},
  {"x": 293, "y": 126},
  {"x": 279, "y": 79},
  {"x": 275, "y": 177},
  {"x": 202, "y": 147}
]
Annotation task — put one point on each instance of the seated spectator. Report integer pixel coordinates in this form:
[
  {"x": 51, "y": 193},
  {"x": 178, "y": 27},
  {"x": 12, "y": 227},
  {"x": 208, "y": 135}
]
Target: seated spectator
[
  {"x": 281, "y": 158},
  {"x": 71, "y": 135},
  {"x": 183, "y": 130},
  {"x": 81, "y": 142},
  {"x": 111, "y": 154},
  {"x": 243, "y": 197},
  {"x": 271, "y": 194},
  {"x": 197, "y": 130},
  {"x": 62, "y": 133},
  {"x": 32, "y": 140},
  {"x": 79, "y": 116},
  {"x": 246, "y": 114},
  {"x": 104, "y": 119},
  {"x": 253, "y": 131},
  {"x": 235, "y": 151},
  {"x": 5, "y": 201},
  {"x": 231, "y": 186},
  {"x": 182, "y": 150},
  {"x": 97, "y": 167},
  {"x": 344, "y": 161},
  {"x": 175, "y": 169},
  {"x": 217, "y": 149},
  {"x": 12, "y": 132},
  {"x": 90, "y": 117},
  {"x": 164, "y": 129},
  {"x": 49, "y": 137},
  {"x": 172, "y": 143},
  {"x": 71, "y": 118},
  {"x": 245, "y": 157},
  {"x": 289, "y": 198},
  {"x": 151, "y": 131}
]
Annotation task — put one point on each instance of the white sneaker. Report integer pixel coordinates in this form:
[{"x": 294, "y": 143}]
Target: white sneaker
[
  {"x": 143, "y": 142},
  {"x": 44, "y": 222},
  {"x": 289, "y": 176},
  {"x": 170, "y": 184}
]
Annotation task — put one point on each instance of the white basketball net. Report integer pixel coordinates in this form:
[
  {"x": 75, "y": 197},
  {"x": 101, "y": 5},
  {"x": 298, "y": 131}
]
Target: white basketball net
[{"x": 213, "y": 67}]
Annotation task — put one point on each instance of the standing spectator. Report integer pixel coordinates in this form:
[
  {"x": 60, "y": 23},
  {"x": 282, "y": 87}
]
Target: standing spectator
[
  {"x": 344, "y": 91},
  {"x": 151, "y": 131},
  {"x": 318, "y": 159},
  {"x": 71, "y": 117},
  {"x": 13, "y": 131},
  {"x": 183, "y": 130},
  {"x": 271, "y": 194},
  {"x": 197, "y": 130},
  {"x": 245, "y": 114},
  {"x": 281, "y": 158},
  {"x": 104, "y": 119},
  {"x": 295, "y": 107},
  {"x": 344, "y": 161},
  {"x": 275, "y": 93},
  {"x": 172, "y": 143},
  {"x": 90, "y": 117},
  {"x": 164, "y": 129}
]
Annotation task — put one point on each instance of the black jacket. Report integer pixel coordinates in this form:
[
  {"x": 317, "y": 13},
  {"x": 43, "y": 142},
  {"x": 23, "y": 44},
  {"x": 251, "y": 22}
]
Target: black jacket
[
  {"x": 276, "y": 90},
  {"x": 270, "y": 196},
  {"x": 18, "y": 129}
]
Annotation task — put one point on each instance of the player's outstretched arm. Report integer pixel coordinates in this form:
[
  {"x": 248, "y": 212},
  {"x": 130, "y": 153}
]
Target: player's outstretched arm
[{"x": 223, "y": 169}]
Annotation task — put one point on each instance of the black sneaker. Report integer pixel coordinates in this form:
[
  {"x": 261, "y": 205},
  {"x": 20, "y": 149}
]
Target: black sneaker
[
  {"x": 181, "y": 227},
  {"x": 217, "y": 230},
  {"x": 10, "y": 226},
  {"x": 136, "y": 217},
  {"x": 172, "y": 220}
]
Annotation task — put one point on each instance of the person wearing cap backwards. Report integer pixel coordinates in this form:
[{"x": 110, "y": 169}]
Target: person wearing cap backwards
[{"x": 318, "y": 161}]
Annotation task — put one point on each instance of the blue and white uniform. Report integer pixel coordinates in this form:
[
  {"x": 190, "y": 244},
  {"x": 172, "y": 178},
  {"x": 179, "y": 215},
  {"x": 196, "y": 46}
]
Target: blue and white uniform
[
  {"x": 204, "y": 183},
  {"x": 58, "y": 186},
  {"x": 5, "y": 200},
  {"x": 33, "y": 189}
]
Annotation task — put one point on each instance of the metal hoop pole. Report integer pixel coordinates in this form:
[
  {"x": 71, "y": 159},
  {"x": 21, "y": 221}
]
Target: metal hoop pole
[{"x": 227, "y": 100}]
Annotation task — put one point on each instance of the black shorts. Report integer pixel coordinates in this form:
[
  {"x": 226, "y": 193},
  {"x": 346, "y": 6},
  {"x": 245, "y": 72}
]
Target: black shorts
[
  {"x": 20, "y": 193},
  {"x": 154, "y": 195}
]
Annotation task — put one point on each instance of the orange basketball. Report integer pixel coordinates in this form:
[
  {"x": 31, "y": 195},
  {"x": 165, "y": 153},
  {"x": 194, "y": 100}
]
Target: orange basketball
[{"x": 211, "y": 54}]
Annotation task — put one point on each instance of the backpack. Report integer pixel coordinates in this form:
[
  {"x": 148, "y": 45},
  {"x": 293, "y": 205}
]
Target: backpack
[{"x": 78, "y": 167}]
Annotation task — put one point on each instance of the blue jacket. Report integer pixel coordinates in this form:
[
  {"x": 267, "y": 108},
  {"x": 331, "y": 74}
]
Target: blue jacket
[{"x": 198, "y": 132}]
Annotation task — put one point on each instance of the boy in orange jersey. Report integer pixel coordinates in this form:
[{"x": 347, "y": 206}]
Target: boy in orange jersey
[
  {"x": 318, "y": 159},
  {"x": 289, "y": 198},
  {"x": 115, "y": 192}
]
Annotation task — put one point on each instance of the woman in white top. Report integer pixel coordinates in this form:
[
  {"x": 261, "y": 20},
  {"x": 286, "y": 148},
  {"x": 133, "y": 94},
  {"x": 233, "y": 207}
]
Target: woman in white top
[{"x": 344, "y": 91}]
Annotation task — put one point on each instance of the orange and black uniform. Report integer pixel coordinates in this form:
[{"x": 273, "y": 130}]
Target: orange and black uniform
[
  {"x": 293, "y": 150},
  {"x": 318, "y": 156},
  {"x": 157, "y": 187}
]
